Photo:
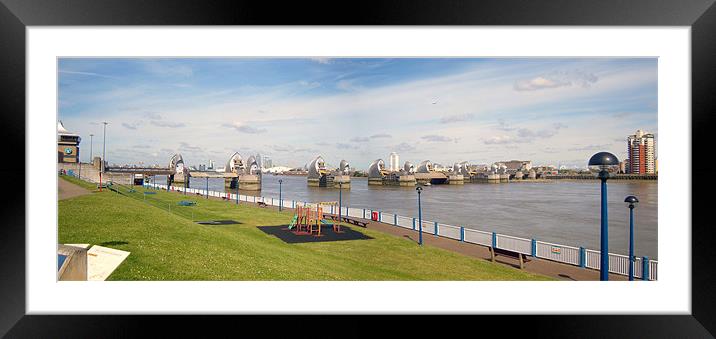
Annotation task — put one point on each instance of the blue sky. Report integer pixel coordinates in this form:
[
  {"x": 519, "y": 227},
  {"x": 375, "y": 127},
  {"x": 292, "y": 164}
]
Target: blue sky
[{"x": 555, "y": 111}]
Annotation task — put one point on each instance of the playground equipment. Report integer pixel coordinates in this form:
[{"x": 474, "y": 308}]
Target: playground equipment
[{"x": 308, "y": 221}]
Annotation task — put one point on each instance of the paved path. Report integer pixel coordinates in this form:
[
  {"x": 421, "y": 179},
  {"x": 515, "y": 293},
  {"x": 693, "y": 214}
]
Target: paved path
[
  {"x": 544, "y": 267},
  {"x": 549, "y": 268},
  {"x": 66, "y": 189}
]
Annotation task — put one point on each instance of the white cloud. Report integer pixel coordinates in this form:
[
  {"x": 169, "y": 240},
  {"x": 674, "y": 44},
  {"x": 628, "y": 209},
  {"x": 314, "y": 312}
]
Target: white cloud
[
  {"x": 557, "y": 79},
  {"x": 244, "y": 128},
  {"x": 132, "y": 126},
  {"x": 322, "y": 60},
  {"x": 168, "y": 124},
  {"x": 168, "y": 69},
  {"x": 347, "y": 85},
  {"x": 436, "y": 138},
  {"x": 87, "y": 73},
  {"x": 360, "y": 139},
  {"x": 457, "y": 118}
]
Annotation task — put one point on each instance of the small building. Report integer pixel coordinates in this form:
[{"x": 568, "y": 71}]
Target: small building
[{"x": 68, "y": 145}]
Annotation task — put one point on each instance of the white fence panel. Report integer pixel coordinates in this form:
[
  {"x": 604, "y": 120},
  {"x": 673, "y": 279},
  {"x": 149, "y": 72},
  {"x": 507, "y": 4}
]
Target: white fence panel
[
  {"x": 652, "y": 269},
  {"x": 516, "y": 244},
  {"x": 428, "y": 226},
  {"x": 355, "y": 212},
  {"x": 449, "y": 231},
  {"x": 638, "y": 267},
  {"x": 561, "y": 253},
  {"x": 619, "y": 264},
  {"x": 478, "y": 237},
  {"x": 592, "y": 259},
  {"x": 386, "y": 217},
  {"x": 405, "y": 222}
]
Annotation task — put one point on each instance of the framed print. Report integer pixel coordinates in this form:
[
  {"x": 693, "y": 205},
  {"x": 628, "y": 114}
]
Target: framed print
[{"x": 460, "y": 159}]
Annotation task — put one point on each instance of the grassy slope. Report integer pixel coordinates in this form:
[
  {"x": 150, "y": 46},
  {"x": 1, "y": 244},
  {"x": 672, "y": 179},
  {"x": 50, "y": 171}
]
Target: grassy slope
[{"x": 169, "y": 246}]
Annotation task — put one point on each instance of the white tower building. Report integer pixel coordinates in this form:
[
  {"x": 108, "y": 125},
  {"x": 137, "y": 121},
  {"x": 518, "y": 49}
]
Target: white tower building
[{"x": 394, "y": 160}]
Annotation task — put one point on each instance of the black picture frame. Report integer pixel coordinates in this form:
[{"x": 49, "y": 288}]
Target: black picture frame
[{"x": 15, "y": 15}]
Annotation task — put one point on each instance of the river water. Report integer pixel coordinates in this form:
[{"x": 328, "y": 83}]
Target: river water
[{"x": 565, "y": 212}]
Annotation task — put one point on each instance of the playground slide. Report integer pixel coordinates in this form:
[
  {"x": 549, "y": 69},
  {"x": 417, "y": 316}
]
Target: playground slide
[{"x": 293, "y": 222}]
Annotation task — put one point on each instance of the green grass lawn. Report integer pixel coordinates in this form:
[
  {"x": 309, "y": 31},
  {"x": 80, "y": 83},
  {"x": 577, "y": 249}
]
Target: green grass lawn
[{"x": 165, "y": 244}]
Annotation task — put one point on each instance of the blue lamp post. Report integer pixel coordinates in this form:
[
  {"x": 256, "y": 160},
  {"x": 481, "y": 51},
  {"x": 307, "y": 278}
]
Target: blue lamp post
[
  {"x": 420, "y": 217},
  {"x": 237, "y": 190},
  {"x": 340, "y": 201},
  {"x": 631, "y": 202},
  {"x": 280, "y": 197},
  {"x": 603, "y": 161}
]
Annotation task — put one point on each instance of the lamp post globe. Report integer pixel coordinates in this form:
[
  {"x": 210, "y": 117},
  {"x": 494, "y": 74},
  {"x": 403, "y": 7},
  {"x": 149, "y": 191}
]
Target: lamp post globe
[
  {"x": 420, "y": 217},
  {"x": 604, "y": 161},
  {"x": 631, "y": 202}
]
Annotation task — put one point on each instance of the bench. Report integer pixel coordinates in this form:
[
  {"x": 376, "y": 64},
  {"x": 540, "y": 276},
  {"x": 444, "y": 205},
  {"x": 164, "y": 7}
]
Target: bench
[
  {"x": 494, "y": 252},
  {"x": 346, "y": 219},
  {"x": 261, "y": 204}
]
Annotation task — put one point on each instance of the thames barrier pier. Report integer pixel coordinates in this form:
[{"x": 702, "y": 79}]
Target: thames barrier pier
[
  {"x": 180, "y": 174},
  {"x": 243, "y": 175},
  {"x": 426, "y": 174},
  {"x": 320, "y": 176},
  {"x": 378, "y": 175}
]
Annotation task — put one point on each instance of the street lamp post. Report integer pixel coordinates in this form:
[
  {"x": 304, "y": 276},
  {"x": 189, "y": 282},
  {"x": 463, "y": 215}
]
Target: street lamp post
[
  {"x": 420, "y": 217},
  {"x": 280, "y": 197},
  {"x": 101, "y": 165},
  {"x": 91, "y": 143},
  {"x": 340, "y": 203},
  {"x": 604, "y": 160},
  {"x": 631, "y": 201}
]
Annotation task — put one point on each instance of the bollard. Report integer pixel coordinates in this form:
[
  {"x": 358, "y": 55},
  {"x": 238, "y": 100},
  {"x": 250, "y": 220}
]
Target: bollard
[
  {"x": 462, "y": 233},
  {"x": 395, "y": 219},
  {"x": 645, "y": 268},
  {"x": 534, "y": 248},
  {"x": 494, "y": 240},
  {"x": 435, "y": 231}
]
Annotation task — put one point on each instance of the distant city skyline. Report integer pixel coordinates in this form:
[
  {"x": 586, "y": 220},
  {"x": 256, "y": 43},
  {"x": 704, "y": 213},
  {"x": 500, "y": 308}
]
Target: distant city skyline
[{"x": 555, "y": 111}]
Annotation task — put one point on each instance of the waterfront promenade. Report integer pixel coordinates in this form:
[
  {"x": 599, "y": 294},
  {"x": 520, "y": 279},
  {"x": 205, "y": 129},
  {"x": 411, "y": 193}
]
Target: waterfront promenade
[
  {"x": 159, "y": 230},
  {"x": 539, "y": 266}
]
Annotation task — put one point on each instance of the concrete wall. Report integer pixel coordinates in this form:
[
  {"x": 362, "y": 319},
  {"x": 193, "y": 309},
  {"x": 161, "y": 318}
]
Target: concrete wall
[{"x": 91, "y": 173}]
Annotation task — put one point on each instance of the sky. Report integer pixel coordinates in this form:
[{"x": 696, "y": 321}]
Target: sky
[{"x": 556, "y": 111}]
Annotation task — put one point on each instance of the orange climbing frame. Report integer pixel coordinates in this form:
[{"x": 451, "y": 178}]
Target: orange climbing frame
[{"x": 308, "y": 221}]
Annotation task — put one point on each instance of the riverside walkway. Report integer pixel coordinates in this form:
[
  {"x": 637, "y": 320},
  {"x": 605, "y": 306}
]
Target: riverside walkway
[
  {"x": 66, "y": 190},
  {"x": 552, "y": 269}
]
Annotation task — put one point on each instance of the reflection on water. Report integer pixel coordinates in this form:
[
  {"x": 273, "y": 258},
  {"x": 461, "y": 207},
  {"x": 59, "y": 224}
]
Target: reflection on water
[{"x": 564, "y": 212}]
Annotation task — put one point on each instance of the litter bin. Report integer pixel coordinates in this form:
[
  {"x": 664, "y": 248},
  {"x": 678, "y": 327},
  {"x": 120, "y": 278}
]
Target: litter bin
[{"x": 374, "y": 216}]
